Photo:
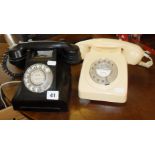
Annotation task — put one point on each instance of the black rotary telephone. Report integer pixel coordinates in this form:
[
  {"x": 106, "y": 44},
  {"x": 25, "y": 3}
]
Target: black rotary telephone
[{"x": 46, "y": 81}]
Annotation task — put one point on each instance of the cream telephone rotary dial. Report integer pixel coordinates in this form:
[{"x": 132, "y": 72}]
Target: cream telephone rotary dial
[{"x": 104, "y": 75}]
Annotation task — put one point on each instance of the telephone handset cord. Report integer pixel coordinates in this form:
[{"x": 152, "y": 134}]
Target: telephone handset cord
[
  {"x": 147, "y": 64},
  {"x": 6, "y": 69}
]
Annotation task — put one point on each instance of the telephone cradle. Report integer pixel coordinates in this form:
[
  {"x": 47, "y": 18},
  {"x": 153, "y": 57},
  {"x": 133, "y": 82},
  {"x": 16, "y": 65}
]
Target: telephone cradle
[{"x": 46, "y": 82}]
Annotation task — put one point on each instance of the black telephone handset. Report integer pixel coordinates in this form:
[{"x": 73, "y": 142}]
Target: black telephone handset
[{"x": 47, "y": 79}]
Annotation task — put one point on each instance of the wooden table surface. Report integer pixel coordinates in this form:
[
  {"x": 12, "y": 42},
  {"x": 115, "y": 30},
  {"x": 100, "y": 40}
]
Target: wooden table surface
[{"x": 140, "y": 103}]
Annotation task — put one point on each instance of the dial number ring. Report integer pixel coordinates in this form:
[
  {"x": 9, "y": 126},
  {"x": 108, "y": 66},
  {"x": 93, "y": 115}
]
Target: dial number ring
[
  {"x": 38, "y": 78},
  {"x": 103, "y": 71}
]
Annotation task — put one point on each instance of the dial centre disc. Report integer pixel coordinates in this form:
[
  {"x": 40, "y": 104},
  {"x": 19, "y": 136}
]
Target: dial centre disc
[
  {"x": 103, "y": 72},
  {"x": 37, "y": 77}
]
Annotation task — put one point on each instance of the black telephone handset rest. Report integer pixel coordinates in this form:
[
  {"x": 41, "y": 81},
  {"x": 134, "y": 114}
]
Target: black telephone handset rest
[{"x": 17, "y": 54}]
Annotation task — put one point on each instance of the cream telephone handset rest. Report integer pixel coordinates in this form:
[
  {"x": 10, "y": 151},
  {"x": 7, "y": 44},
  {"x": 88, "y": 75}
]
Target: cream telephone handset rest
[
  {"x": 132, "y": 52},
  {"x": 104, "y": 71}
]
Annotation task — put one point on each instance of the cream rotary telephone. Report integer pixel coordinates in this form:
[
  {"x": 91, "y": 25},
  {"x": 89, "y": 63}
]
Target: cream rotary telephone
[{"x": 104, "y": 75}]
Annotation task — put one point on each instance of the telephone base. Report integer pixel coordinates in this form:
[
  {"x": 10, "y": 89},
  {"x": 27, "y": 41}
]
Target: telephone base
[
  {"x": 62, "y": 108},
  {"x": 112, "y": 99},
  {"x": 104, "y": 76}
]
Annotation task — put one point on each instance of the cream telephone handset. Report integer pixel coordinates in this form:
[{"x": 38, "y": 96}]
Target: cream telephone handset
[{"x": 104, "y": 71}]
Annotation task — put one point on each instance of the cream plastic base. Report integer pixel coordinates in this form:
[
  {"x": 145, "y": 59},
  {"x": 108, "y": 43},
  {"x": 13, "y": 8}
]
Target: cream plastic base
[{"x": 117, "y": 90}]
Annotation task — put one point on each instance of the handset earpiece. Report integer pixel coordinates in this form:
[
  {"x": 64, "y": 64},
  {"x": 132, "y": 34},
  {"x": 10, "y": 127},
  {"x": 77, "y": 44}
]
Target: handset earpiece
[
  {"x": 84, "y": 49},
  {"x": 17, "y": 56},
  {"x": 72, "y": 55}
]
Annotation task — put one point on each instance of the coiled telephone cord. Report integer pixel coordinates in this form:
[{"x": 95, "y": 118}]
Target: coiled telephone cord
[{"x": 6, "y": 69}]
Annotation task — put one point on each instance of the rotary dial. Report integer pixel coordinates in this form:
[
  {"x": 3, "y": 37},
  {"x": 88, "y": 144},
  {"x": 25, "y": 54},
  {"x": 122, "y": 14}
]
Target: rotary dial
[
  {"x": 103, "y": 71},
  {"x": 38, "y": 78}
]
